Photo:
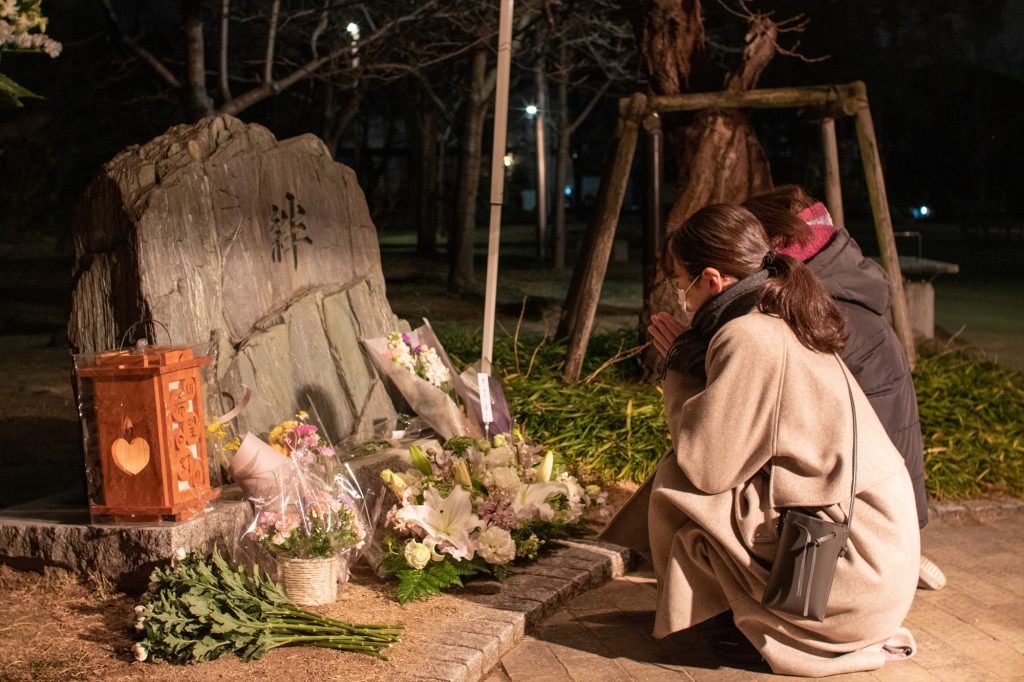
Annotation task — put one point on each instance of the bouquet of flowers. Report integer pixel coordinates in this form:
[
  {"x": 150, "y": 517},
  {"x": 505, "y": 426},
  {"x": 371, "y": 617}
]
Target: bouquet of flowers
[
  {"x": 473, "y": 508},
  {"x": 420, "y": 359},
  {"x": 415, "y": 364},
  {"x": 318, "y": 525},
  {"x": 309, "y": 517},
  {"x": 23, "y": 29},
  {"x": 453, "y": 404},
  {"x": 200, "y": 608},
  {"x": 313, "y": 515}
]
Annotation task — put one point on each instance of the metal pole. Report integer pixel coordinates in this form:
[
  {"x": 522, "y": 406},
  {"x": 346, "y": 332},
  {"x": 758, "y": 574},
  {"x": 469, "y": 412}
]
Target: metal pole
[
  {"x": 497, "y": 179},
  {"x": 542, "y": 184}
]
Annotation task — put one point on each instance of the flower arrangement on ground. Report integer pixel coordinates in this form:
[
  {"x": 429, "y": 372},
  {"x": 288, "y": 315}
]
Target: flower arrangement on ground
[
  {"x": 311, "y": 516},
  {"x": 200, "y": 608},
  {"x": 474, "y": 508}
]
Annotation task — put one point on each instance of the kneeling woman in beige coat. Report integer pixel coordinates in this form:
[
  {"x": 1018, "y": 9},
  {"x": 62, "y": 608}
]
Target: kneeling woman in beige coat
[{"x": 770, "y": 427}]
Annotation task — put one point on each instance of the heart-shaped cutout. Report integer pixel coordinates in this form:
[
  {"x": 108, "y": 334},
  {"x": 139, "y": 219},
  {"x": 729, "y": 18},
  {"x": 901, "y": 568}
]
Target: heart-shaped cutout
[{"x": 130, "y": 458}]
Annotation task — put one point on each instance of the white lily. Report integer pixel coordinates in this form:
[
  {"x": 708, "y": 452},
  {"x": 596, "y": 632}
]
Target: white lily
[
  {"x": 461, "y": 473},
  {"x": 545, "y": 466},
  {"x": 444, "y": 520},
  {"x": 532, "y": 499}
]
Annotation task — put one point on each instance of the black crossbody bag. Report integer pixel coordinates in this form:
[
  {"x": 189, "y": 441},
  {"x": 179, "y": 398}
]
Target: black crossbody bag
[{"x": 809, "y": 551}]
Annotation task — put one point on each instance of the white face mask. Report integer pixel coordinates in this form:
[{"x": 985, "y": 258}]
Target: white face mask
[{"x": 681, "y": 294}]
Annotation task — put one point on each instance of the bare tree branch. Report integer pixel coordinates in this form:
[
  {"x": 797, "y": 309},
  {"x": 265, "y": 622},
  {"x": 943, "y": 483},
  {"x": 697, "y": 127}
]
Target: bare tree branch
[
  {"x": 598, "y": 96},
  {"x": 222, "y": 67},
  {"x": 268, "y": 63},
  {"x": 195, "y": 59},
  {"x": 147, "y": 57}
]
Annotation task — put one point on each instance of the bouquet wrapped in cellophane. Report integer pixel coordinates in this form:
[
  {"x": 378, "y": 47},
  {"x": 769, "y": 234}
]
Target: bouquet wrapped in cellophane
[
  {"x": 315, "y": 518},
  {"x": 416, "y": 365}
]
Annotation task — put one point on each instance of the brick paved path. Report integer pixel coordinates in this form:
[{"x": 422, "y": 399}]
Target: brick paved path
[{"x": 971, "y": 630}]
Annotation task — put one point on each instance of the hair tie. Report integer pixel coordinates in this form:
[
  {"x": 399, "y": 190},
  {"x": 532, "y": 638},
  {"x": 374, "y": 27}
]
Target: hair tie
[{"x": 768, "y": 263}]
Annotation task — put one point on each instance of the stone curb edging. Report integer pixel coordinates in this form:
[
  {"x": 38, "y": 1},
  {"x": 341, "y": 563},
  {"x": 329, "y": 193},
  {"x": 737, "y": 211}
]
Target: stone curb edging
[
  {"x": 489, "y": 626},
  {"x": 975, "y": 510}
]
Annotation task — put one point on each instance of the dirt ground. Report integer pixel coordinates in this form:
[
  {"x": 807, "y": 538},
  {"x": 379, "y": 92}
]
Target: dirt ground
[{"x": 56, "y": 628}]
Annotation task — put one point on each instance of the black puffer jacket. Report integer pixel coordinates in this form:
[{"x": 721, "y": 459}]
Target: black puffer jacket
[{"x": 873, "y": 351}]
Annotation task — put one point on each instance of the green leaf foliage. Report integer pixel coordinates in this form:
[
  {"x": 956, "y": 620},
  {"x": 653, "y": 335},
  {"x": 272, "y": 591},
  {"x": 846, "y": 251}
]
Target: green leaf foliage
[
  {"x": 203, "y": 608},
  {"x": 972, "y": 420},
  {"x": 613, "y": 428},
  {"x": 434, "y": 578},
  {"x": 13, "y": 92}
]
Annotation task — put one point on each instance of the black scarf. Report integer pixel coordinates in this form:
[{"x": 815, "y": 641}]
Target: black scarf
[{"x": 688, "y": 352}]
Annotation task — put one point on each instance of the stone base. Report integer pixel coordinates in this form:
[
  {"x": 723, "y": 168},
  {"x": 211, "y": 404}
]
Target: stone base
[
  {"x": 920, "y": 297},
  {"x": 56, "y": 532}
]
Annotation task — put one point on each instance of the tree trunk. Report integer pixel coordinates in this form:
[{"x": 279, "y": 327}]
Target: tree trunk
[
  {"x": 562, "y": 160},
  {"x": 460, "y": 244},
  {"x": 426, "y": 179},
  {"x": 197, "y": 102},
  {"x": 723, "y": 160},
  {"x": 720, "y": 158}
]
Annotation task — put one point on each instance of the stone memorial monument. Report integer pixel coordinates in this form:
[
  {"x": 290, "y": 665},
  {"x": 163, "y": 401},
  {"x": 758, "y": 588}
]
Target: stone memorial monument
[{"x": 261, "y": 250}]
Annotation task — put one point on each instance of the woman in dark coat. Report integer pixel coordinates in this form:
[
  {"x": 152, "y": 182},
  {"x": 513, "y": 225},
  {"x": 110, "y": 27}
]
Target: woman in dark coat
[{"x": 801, "y": 227}]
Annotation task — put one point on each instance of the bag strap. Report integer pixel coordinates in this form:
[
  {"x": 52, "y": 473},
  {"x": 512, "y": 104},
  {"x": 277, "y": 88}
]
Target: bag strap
[{"x": 853, "y": 410}]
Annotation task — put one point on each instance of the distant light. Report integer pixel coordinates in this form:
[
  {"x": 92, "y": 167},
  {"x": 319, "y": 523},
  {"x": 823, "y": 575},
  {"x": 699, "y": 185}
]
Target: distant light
[
  {"x": 567, "y": 191},
  {"x": 531, "y": 109},
  {"x": 508, "y": 160},
  {"x": 922, "y": 211},
  {"x": 353, "y": 30}
]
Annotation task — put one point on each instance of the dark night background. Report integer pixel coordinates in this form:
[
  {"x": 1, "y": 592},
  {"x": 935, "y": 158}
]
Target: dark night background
[{"x": 945, "y": 81}]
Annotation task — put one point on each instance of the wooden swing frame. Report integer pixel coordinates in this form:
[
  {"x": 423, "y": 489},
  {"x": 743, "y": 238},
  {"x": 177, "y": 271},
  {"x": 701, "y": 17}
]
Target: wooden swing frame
[{"x": 641, "y": 111}]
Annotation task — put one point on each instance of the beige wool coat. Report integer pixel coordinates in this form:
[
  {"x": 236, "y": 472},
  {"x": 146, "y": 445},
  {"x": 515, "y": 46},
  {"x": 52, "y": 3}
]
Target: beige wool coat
[{"x": 712, "y": 519}]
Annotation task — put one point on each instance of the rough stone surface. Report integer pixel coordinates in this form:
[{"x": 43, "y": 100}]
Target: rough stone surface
[
  {"x": 261, "y": 249},
  {"x": 56, "y": 532}
]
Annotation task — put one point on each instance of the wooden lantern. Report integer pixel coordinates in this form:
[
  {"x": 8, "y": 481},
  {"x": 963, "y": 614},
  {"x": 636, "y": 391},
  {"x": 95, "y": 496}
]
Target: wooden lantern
[{"x": 151, "y": 434}]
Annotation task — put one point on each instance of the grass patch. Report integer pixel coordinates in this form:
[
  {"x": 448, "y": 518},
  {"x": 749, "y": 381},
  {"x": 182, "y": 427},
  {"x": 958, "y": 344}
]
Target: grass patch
[
  {"x": 972, "y": 419},
  {"x": 612, "y": 428}
]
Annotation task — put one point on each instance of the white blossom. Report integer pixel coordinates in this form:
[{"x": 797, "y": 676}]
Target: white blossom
[
  {"x": 496, "y": 546},
  {"x": 417, "y": 555}
]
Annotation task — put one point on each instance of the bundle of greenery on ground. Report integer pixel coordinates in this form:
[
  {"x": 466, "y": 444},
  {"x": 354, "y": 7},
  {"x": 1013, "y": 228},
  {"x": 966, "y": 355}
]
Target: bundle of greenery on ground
[{"x": 611, "y": 427}]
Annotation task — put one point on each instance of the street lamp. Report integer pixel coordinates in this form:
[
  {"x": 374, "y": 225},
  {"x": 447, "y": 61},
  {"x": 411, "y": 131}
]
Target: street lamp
[
  {"x": 531, "y": 109},
  {"x": 353, "y": 32}
]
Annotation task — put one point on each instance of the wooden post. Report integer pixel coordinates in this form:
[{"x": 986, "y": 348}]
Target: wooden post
[
  {"x": 833, "y": 190},
  {"x": 653, "y": 227},
  {"x": 605, "y": 219},
  {"x": 883, "y": 222}
]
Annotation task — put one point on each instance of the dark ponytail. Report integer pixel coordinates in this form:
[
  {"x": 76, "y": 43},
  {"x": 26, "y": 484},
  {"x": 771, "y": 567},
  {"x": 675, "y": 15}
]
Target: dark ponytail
[
  {"x": 793, "y": 293},
  {"x": 730, "y": 239}
]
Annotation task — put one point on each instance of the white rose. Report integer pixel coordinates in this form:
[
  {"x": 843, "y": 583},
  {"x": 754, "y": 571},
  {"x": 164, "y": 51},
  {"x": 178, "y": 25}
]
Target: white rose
[
  {"x": 417, "y": 554},
  {"x": 504, "y": 478},
  {"x": 499, "y": 457},
  {"x": 496, "y": 546}
]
